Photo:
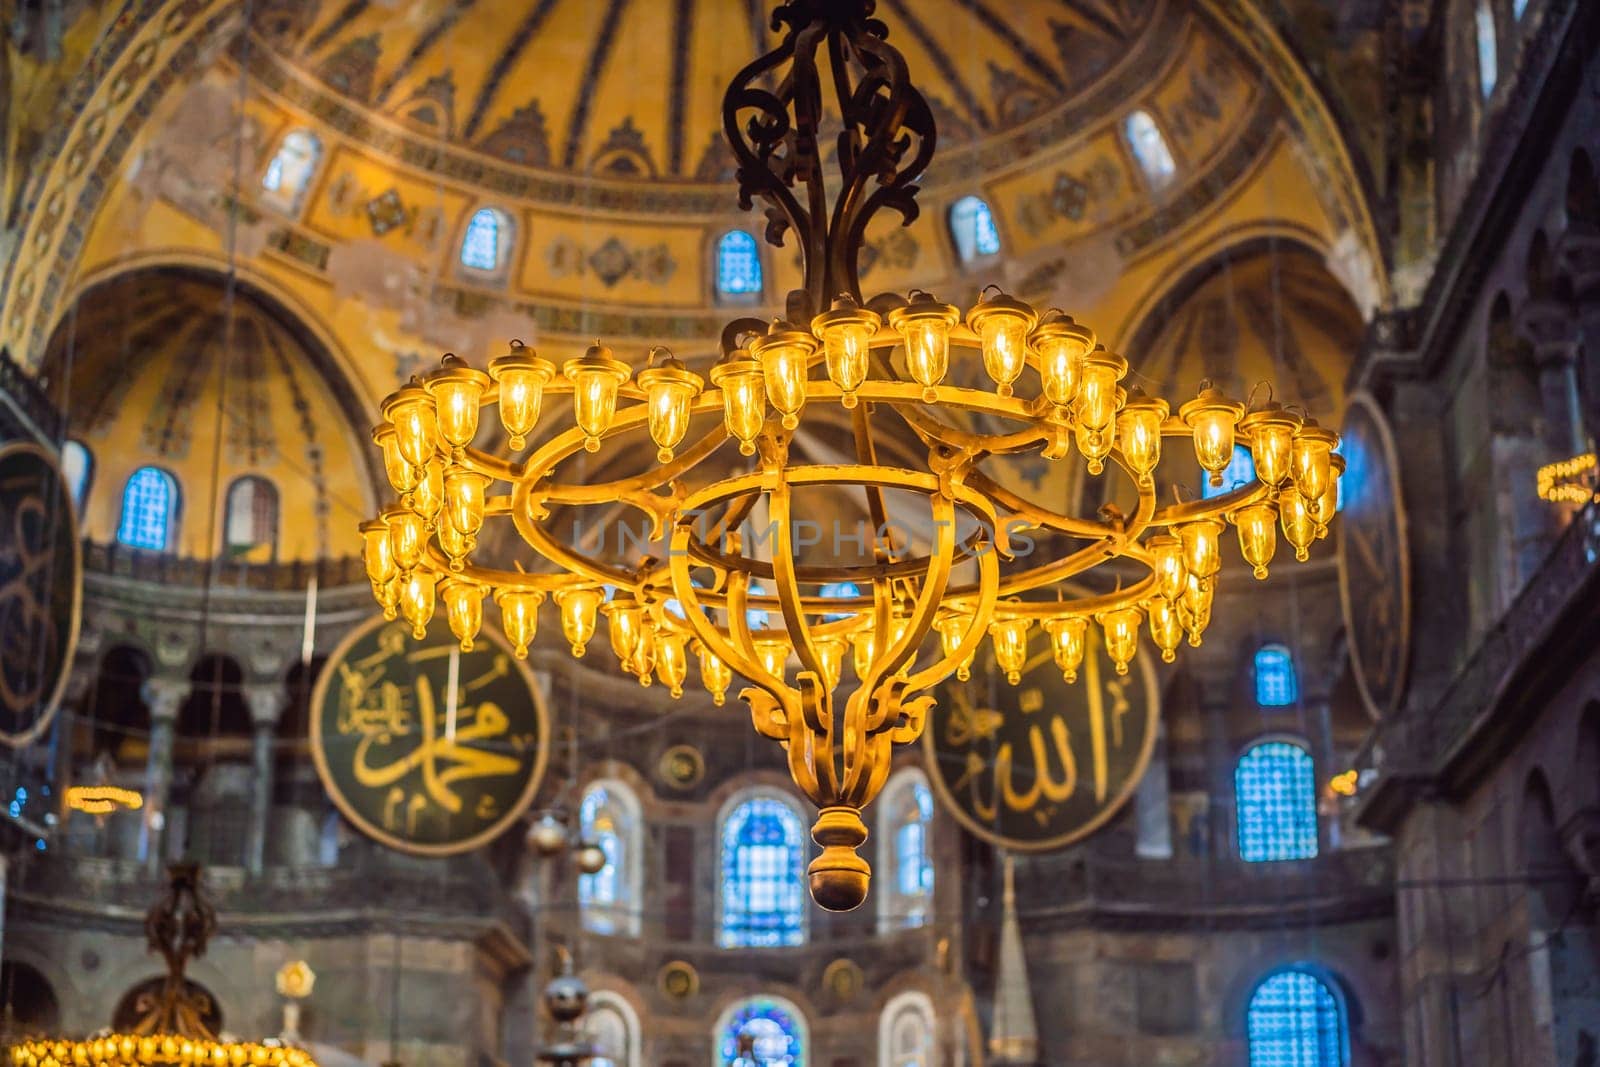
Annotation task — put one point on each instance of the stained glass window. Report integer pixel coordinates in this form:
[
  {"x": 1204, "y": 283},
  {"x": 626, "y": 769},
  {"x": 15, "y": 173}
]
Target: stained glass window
[
  {"x": 905, "y": 1035},
  {"x": 973, "y": 230},
  {"x": 1240, "y": 471},
  {"x": 609, "y": 816},
  {"x": 763, "y": 872},
  {"x": 1275, "y": 791},
  {"x": 1276, "y": 685},
  {"x": 905, "y": 824},
  {"x": 289, "y": 172},
  {"x": 148, "y": 503},
  {"x": 483, "y": 248},
  {"x": 251, "y": 526},
  {"x": 76, "y": 467},
  {"x": 1295, "y": 1020},
  {"x": 773, "y": 1030},
  {"x": 1150, "y": 149},
  {"x": 1488, "y": 53},
  {"x": 738, "y": 264}
]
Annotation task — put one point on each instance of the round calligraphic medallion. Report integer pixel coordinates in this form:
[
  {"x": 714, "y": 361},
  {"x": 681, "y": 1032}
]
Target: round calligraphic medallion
[
  {"x": 41, "y": 574},
  {"x": 1041, "y": 764},
  {"x": 1374, "y": 560},
  {"x": 403, "y": 765}
]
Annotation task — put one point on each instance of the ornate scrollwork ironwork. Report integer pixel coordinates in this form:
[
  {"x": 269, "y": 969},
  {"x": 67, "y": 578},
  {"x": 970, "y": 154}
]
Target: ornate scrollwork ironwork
[
  {"x": 178, "y": 928},
  {"x": 885, "y": 141}
]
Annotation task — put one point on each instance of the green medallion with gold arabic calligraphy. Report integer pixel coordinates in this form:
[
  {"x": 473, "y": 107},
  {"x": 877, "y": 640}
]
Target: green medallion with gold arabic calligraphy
[
  {"x": 1041, "y": 764},
  {"x": 40, "y": 588},
  {"x": 404, "y": 765}
]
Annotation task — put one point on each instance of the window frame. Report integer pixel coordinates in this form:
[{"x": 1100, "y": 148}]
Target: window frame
[
  {"x": 260, "y": 483},
  {"x": 505, "y": 241},
  {"x": 291, "y": 200},
  {"x": 78, "y": 492},
  {"x": 724, "y": 940},
  {"x": 979, "y": 257},
  {"x": 726, "y": 1016},
  {"x": 1275, "y": 648},
  {"x": 910, "y": 1001},
  {"x": 618, "y": 1004},
  {"x": 1328, "y": 981},
  {"x": 1153, "y": 181},
  {"x": 620, "y": 917},
  {"x": 742, "y": 298},
  {"x": 174, "y": 510},
  {"x": 893, "y": 911},
  {"x": 1294, "y": 741}
]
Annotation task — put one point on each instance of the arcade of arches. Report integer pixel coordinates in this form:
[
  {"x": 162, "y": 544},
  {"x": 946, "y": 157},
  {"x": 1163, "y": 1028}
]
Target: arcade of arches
[{"x": 1367, "y": 827}]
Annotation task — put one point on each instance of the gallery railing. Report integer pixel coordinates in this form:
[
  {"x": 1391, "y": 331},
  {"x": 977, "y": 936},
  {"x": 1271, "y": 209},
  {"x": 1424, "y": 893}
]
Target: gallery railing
[{"x": 137, "y": 564}]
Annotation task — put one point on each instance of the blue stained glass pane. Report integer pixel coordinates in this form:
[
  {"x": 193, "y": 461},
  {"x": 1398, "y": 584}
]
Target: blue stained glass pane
[
  {"x": 1294, "y": 1020},
  {"x": 1240, "y": 471},
  {"x": 1276, "y": 686},
  {"x": 763, "y": 860},
  {"x": 738, "y": 264},
  {"x": 776, "y": 1032},
  {"x": 1150, "y": 148},
  {"x": 843, "y": 590},
  {"x": 602, "y": 889},
  {"x": 1276, "y": 798},
  {"x": 146, "y": 510},
  {"x": 972, "y": 227},
  {"x": 480, "y": 248}
]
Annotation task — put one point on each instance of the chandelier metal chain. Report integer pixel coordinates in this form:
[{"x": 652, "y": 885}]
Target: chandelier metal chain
[{"x": 887, "y": 363}]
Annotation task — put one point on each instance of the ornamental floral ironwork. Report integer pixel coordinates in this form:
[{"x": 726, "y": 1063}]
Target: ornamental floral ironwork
[{"x": 905, "y": 615}]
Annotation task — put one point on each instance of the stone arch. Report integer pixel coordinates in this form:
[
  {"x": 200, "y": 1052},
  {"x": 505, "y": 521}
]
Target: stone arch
[{"x": 31, "y": 1007}]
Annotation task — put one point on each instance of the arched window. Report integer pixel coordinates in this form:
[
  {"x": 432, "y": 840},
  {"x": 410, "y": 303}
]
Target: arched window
[
  {"x": 738, "y": 265},
  {"x": 487, "y": 240},
  {"x": 250, "y": 528},
  {"x": 1150, "y": 148},
  {"x": 289, "y": 173},
  {"x": 763, "y": 872},
  {"x": 905, "y": 824},
  {"x": 1275, "y": 792},
  {"x": 1295, "y": 1019},
  {"x": 1488, "y": 52},
  {"x": 774, "y": 1027},
  {"x": 613, "y": 1027},
  {"x": 1276, "y": 685},
  {"x": 609, "y": 898},
  {"x": 149, "y": 505},
  {"x": 906, "y": 1032},
  {"x": 972, "y": 229},
  {"x": 1240, "y": 471},
  {"x": 77, "y": 467}
]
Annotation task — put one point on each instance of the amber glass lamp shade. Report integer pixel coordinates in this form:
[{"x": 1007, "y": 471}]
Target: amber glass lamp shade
[
  {"x": 417, "y": 594},
  {"x": 672, "y": 662},
  {"x": 669, "y": 388},
  {"x": 402, "y": 475},
  {"x": 1095, "y": 443},
  {"x": 463, "y": 609},
  {"x": 457, "y": 390},
  {"x": 1202, "y": 556},
  {"x": 1061, "y": 345},
  {"x": 625, "y": 624},
  {"x": 744, "y": 398},
  {"x": 1068, "y": 643},
  {"x": 1299, "y": 528},
  {"x": 1002, "y": 325},
  {"x": 1122, "y": 635},
  {"x": 464, "y": 499},
  {"x": 830, "y": 651},
  {"x": 952, "y": 628},
  {"x": 924, "y": 327},
  {"x": 455, "y": 544},
  {"x": 410, "y": 410},
  {"x": 377, "y": 551},
  {"x": 407, "y": 536},
  {"x": 1099, "y": 395},
  {"x": 715, "y": 675},
  {"x": 784, "y": 353},
  {"x": 1258, "y": 535},
  {"x": 1010, "y": 638},
  {"x": 846, "y": 331},
  {"x": 1166, "y": 628},
  {"x": 521, "y": 375},
  {"x": 427, "y": 498},
  {"x": 1213, "y": 418},
  {"x": 578, "y": 606},
  {"x": 774, "y": 655},
  {"x": 1312, "y": 458},
  {"x": 595, "y": 379},
  {"x": 1139, "y": 431},
  {"x": 519, "y": 617},
  {"x": 643, "y": 660},
  {"x": 1325, "y": 506},
  {"x": 387, "y": 594},
  {"x": 1172, "y": 574},
  {"x": 1271, "y": 430}
]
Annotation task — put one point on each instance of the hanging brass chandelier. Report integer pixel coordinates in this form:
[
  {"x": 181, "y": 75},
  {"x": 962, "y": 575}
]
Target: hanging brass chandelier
[{"x": 906, "y": 614}]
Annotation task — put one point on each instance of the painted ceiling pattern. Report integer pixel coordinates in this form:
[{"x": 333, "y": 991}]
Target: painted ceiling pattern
[{"x": 631, "y": 89}]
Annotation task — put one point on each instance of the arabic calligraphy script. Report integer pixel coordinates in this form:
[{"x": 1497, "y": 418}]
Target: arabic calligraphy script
[{"x": 38, "y": 590}]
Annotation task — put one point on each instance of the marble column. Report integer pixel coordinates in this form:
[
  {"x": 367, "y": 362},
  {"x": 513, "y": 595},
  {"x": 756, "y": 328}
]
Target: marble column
[
  {"x": 164, "y": 696},
  {"x": 266, "y": 706}
]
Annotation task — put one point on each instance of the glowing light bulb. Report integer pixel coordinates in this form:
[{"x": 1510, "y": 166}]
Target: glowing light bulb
[
  {"x": 924, "y": 326},
  {"x": 463, "y": 609},
  {"x": 669, "y": 388},
  {"x": 463, "y": 493},
  {"x": 1003, "y": 324},
  {"x": 416, "y": 601},
  {"x": 1212, "y": 417},
  {"x": 625, "y": 622},
  {"x": 519, "y": 617},
  {"x": 1068, "y": 637},
  {"x": 715, "y": 676},
  {"x": 377, "y": 551},
  {"x": 1121, "y": 629},
  {"x": 402, "y": 475},
  {"x": 1166, "y": 628},
  {"x": 457, "y": 390},
  {"x": 1010, "y": 640},
  {"x": 1271, "y": 430},
  {"x": 521, "y": 375},
  {"x": 1061, "y": 346},
  {"x": 744, "y": 397},
  {"x": 1098, "y": 395},
  {"x": 407, "y": 536},
  {"x": 1139, "y": 432},
  {"x": 774, "y": 655},
  {"x": 595, "y": 380},
  {"x": 1201, "y": 553},
  {"x": 1258, "y": 535},
  {"x": 410, "y": 410},
  {"x": 578, "y": 606},
  {"x": 846, "y": 331},
  {"x": 1299, "y": 527},
  {"x": 672, "y": 662},
  {"x": 1172, "y": 574},
  {"x": 783, "y": 353}
]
